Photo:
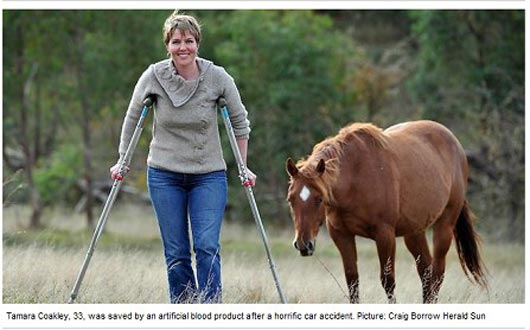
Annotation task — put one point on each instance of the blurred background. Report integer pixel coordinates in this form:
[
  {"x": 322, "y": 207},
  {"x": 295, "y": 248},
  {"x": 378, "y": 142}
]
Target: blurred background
[{"x": 303, "y": 74}]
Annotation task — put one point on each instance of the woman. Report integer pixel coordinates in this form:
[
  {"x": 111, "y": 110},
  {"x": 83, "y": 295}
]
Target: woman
[{"x": 186, "y": 172}]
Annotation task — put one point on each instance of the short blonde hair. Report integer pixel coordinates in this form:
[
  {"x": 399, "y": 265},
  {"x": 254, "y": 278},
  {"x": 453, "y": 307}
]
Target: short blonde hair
[{"x": 184, "y": 23}]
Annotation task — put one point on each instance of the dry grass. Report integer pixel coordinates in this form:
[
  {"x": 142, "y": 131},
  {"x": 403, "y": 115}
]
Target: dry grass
[{"x": 128, "y": 266}]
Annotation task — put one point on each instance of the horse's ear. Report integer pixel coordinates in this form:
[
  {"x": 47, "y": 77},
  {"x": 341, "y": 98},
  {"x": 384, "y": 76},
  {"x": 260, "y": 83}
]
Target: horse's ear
[
  {"x": 291, "y": 168},
  {"x": 321, "y": 167}
]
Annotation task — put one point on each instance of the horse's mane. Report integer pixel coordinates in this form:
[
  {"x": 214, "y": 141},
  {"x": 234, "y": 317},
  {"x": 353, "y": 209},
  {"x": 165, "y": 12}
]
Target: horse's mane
[{"x": 331, "y": 151}]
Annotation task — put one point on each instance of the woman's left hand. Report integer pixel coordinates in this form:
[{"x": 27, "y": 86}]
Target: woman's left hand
[{"x": 251, "y": 179}]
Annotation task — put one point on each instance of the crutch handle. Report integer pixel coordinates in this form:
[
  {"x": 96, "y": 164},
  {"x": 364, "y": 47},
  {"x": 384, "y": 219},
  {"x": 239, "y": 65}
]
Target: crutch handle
[
  {"x": 221, "y": 101},
  {"x": 149, "y": 100}
]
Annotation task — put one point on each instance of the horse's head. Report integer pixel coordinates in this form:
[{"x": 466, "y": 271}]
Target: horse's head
[{"x": 307, "y": 207}]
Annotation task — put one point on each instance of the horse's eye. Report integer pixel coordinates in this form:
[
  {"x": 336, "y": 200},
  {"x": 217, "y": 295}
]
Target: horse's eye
[{"x": 318, "y": 200}]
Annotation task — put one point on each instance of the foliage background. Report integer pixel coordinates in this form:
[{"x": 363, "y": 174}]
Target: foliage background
[{"x": 68, "y": 76}]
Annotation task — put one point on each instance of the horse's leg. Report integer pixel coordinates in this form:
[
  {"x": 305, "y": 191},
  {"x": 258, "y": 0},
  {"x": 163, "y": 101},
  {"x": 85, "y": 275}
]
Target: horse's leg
[
  {"x": 419, "y": 248},
  {"x": 348, "y": 251},
  {"x": 386, "y": 249},
  {"x": 442, "y": 237}
]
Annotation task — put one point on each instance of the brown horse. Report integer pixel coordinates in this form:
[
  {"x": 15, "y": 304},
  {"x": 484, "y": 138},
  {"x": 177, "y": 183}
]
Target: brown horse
[{"x": 381, "y": 184}]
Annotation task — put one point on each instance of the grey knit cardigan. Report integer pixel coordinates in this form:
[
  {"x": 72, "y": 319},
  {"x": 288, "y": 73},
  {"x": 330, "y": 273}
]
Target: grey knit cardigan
[{"x": 185, "y": 128}]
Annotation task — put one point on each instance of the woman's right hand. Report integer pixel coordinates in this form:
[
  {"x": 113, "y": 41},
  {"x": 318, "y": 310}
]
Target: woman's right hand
[{"x": 115, "y": 172}]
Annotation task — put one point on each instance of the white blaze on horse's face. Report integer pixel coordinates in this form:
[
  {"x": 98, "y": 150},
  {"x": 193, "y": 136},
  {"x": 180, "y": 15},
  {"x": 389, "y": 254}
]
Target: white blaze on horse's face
[{"x": 304, "y": 194}]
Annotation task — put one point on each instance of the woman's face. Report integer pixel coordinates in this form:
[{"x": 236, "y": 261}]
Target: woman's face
[{"x": 183, "y": 48}]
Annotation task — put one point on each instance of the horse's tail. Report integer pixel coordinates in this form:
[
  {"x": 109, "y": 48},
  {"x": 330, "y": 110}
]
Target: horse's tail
[{"x": 467, "y": 246}]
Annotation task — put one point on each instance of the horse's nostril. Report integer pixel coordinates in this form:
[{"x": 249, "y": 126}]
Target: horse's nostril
[
  {"x": 295, "y": 244},
  {"x": 310, "y": 246}
]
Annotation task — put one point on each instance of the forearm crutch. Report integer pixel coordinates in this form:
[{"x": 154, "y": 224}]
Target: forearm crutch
[
  {"x": 248, "y": 189},
  {"x": 112, "y": 195}
]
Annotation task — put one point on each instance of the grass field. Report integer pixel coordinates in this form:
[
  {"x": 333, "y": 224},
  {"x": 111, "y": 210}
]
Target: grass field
[{"x": 128, "y": 265}]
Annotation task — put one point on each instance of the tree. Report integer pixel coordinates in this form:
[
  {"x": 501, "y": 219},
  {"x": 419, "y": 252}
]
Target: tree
[
  {"x": 65, "y": 68},
  {"x": 29, "y": 126},
  {"x": 472, "y": 68},
  {"x": 99, "y": 38},
  {"x": 292, "y": 69}
]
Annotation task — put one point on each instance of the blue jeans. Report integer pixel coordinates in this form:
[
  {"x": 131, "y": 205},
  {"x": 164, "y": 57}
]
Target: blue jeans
[{"x": 196, "y": 201}]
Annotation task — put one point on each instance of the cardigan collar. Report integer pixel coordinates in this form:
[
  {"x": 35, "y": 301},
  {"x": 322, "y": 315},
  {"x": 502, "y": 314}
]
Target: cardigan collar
[{"x": 177, "y": 88}]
